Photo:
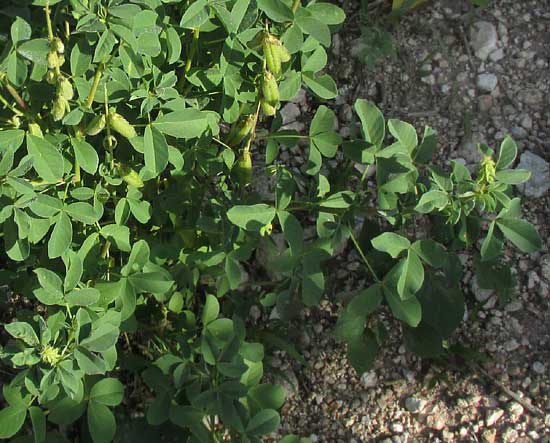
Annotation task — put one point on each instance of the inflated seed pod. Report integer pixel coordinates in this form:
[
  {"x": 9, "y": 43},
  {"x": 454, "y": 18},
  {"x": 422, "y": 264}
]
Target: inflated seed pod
[
  {"x": 130, "y": 176},
  {"x": 60, "y": 108},
  {"x": 50, "y": 77},
  {"x": 284, "y": 55},
  {"x": 272, "y": 56},
  {"x": 267, "y": 108},
  {"x": 35, "y": 129},
  {"x": 65, "y": 88},
  {"x": 119, "y": 124},
  {"x": 53, "y": 60},
  {"x": 270, "y": 89},
  {"x": 58, "y": 46},
  {"x": 96, "y": 125},
  {"x": 241, "y": 130},
  {"x": 242, "y": 171}
]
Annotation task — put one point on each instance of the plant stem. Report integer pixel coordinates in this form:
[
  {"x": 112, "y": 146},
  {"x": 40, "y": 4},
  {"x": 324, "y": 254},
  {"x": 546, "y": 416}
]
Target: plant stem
[
  {"x": 190, "y": 57},
  {"x": 296, "y": 5},
  {"x": 95, "y": 84},
  {"x": 16, "y": 96},
  {"x": 10, "y": 106},
  {"x": 51, "y": 34},
  {"x": 362, "y": 254}
]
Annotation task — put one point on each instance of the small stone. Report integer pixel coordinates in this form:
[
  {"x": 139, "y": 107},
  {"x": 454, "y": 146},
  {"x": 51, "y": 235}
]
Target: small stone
[
  {"x": 255, "y": 313},
  {"x": 493, "y": 416},
  {"x": 415, "y": 405},
  {"x": 511, "y": 345},
  {"x": 485, "y": 103},
  {"x": 481, "y": 295},
  {"x": 518, "y": 133},
  {"x": 545, "y": 266},
  {"x": 539, "y": 183},
  {"x": 515, "y": 410},
  {"x": 428, "y": 79},
  {"x": 510, "y": 435},
  {"x": 369, "y": 379},
  {"x": 531, "y": 97},
  {"x": 483, "y": 38},
  {"x": 526, "y": 122},
  {"x": 487, "y": 82},
  {"x": 497, "y": 55},
  {"x": 396, "y": 428},
  {"x": 538, "y": 368},
  {"x": 489, "y": 436}
]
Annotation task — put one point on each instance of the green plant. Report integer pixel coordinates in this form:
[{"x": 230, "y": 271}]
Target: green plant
[{"x": 128, "y": 221}]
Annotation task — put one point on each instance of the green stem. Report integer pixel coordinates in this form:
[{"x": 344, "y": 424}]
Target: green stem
[
  {"x": 10, "y": 106},
  {"x": 50, "y": 33},
  {"x": 16, "y": 96},
  {"x": 95, "y": 84},
  {"x": 296, "y": 5},
  {"x": 362, "y": 254},
  {"x": 190, "y": 57}
]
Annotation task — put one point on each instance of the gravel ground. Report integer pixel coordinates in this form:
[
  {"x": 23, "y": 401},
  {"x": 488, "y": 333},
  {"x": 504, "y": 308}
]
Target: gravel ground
[{"x": 474, "y": 78}]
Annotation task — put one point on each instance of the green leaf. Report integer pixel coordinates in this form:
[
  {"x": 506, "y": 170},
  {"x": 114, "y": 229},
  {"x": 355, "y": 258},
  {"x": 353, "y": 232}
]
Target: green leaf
[
  {"x": 521, "y": 233},
  {"x": 404, "y": 133},
  {"x": 373, "y": 124},
  {"x": 321, "y": 132},
  {"x": 104, "y": 46},
  {"x": 38, "y": 420},
  {"x": 431, "y": 252},
  {"x": 22, "y": 331},
  {"x": 351, "y": 321},
  {"x": 82, "y": 212},
  {"x": 276, "y": 10},
  {"x": 408, "y": 311},
  {"x": 252, "y": 217},
  {"x": 513, "y": 176},
  {"x": 232, "y": 271},
  {"x": 264, "y": 422},
  {"x": 293, "y": 232},
  {"x": 186, "y": 124},
  {"x": 391, "y": 243},
  {"x": 362, "y": 351},
  {"x": 102, "y": 338},
  {"x": 267, "y": 396},
  {"x": 432, "y": 200},
  {"x": 35, "y": 50},
  {"x": 107, "y": 391},
  {"x": 322, "y": 85},
  {"x": 85, "y": 155},
  {"x": 120, "y": 235},
  {"x": 20, "y": 31},
  {"x": 507, "y": 154},
  {"x": 152, "y": 282},
  {"x": 411, "y": 275},
  {"x": 210, "y": 310},
  {"x": 46, "y": 159},
  {"x": 327, "y": 13},
  {"x": 101, "y": 423},
  {"x": 11, "y": 139},
  {"x": 155, "y": 151},
  {"x": 195, "y": 15},
  {"x": 61, "y": 236},
  {"x": 83, "y": 297},
  {"x": 222, "y": 329},
  {"x": 11, "y": 420},
  {"x": 424, "y": 153},
  {"x": 89, "y": 362}
]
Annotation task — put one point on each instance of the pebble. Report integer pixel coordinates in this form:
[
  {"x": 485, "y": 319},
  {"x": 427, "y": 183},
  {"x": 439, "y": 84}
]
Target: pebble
[
  {"x": 515, "y": 410},
  {"x": 487, "y": 82},
  {"x": 493, "y": 417},
  {"x": 538, "y": 368},
  {"x": 489, "y": 436},
  {"x": 545, "y": 266},
  {"x": 539, "y": 183},
  {"x": 415, "y": 405},
  {"x": 483, "y": 38},
  {"x": 511, "y": 345},
  {"x": 396, "y": 428},
  {"x": 369, "y": 379}
]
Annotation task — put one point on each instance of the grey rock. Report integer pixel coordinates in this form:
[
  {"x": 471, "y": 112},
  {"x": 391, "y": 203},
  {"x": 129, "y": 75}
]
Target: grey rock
[
  {"x": 497, "y": 55},
  {"x": 481, "y": 295},
  {"x": 369, "y": 379},
  {"x": 518, "y": 133},
  {"x": 539, "y": 183},
  {"x": 493, "y": 417},
  {"x": 545, "y": 267},
  {"x": 487, "y": 82},
  {"x": 538, "y": 368},
  {"x": 531, "y": 96},
  {"x": 415, "y": 405},
  {"x": 483, "y": 37}
]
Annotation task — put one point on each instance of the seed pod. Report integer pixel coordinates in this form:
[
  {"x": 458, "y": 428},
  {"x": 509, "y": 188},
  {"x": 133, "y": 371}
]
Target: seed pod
[
  {"x": 270, "y": 89},
  {"x": 119, "y": 124},
  {"x": 65, "y": 88},
  {"x": 35, "y": 129},
  {"x": 130, "y": 176},
  {"x": 50, "y": 77},
  {"x": 96, "y": 125},
  {"x": 268, "y": 109},
  {"x": 241, "y": 130},
  {"x": 272, "y": 56},
  {"x": 59, "y": 108},
  {"x": 242, "y": 171},
  {"x": 284, "y": 55},
  {"x": 53, "y": 60},
  {"x": 58, "y": 46}
]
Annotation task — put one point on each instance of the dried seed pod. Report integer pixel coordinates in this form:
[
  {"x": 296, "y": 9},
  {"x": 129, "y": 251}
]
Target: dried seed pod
[
  {"x": 270, "y": 89},
  {"x": 242, "y": 171},
  {"x": 130, "y": 176},
  {"x": 65, "y": 88},
  {"x": 119, "y": 124},
  {"x": 241, "y": 130},
  {"x": 96, "y": 125},
  {"x": 35, "y": 129},
  {"x": 268, "y": 109}
]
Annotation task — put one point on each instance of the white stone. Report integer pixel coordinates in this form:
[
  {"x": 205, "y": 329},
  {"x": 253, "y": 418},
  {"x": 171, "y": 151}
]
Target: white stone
[
  {"x": 539, "y": 183},
  {"x": 487, "y": 82},
  {"x": 539, "y": 368},
  {"x": 483, "y": 38},
  {"x": 493, "y": 417}
]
